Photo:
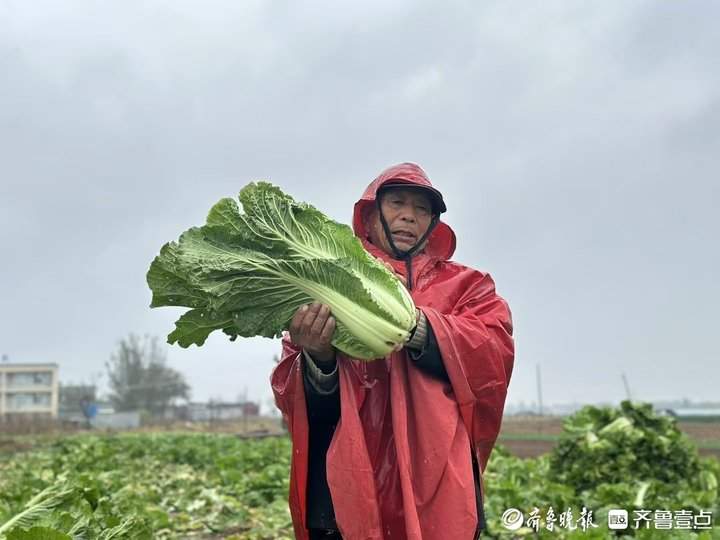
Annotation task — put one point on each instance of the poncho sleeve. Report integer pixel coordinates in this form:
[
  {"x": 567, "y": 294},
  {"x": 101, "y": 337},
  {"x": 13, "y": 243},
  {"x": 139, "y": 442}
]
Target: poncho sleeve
[
  {"x": 287, "y": 384},
  {"x": 476, "y": 343}
]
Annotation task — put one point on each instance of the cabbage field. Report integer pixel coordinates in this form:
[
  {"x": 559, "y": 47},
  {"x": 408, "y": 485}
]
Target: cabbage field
[
  {"x": 195, "y": 485},
  {"x": 147, "y": 485}
]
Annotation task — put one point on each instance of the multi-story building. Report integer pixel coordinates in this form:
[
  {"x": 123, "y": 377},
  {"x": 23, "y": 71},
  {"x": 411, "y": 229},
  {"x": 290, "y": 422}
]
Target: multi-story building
[{"x": 28, "y": 389}]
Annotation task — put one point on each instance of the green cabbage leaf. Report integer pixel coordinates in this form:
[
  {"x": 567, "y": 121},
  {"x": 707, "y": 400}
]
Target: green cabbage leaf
[{"x": 246, "y": 273}]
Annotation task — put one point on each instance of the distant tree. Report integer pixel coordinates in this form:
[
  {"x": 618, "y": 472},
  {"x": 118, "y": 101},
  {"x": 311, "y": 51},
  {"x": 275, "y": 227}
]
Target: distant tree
[{"x": 139, "y": 378}]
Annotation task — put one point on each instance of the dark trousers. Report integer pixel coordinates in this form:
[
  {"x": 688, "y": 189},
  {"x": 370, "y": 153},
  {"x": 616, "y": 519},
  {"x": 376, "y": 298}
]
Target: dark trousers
[{"x": 324, "y": 534}]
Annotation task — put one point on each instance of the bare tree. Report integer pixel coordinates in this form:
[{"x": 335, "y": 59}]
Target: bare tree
[{"x": 140, "y": 379}]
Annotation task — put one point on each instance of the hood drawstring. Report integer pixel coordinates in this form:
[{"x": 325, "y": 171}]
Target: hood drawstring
[
  {"x": 408, "y": 269},
  {"x": 401, "y": 254}
]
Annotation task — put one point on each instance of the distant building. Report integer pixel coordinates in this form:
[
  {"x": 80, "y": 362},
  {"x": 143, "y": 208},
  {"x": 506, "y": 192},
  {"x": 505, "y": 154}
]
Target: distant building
[
  {"x": 204, "y": 412},
  {"x": 28, "y": 389},
  {"x": 692, "y": 413},
  {"x": 116, "y": 420}
]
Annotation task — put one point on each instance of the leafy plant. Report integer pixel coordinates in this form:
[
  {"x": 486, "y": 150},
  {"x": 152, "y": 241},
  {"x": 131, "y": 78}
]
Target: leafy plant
[
  {"x": 247, "y": 273},
  {"x": 632, "y": 443},
  {"x": 41, "y": 505},
  {"x": 142, "y": 486}
]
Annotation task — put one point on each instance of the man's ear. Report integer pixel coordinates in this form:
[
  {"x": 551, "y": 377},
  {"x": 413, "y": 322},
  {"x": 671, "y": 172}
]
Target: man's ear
[
  {"x": 368, "y": 217},
  {"x": 371, "y": 224}
]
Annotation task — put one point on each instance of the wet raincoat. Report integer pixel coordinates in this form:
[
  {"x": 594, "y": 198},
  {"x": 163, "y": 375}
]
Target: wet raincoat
[{"x": 399, "y": 464}]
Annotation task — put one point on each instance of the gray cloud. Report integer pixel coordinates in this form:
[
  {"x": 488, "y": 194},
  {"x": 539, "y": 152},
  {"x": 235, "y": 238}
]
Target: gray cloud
[{"x": 576, "y": 145}]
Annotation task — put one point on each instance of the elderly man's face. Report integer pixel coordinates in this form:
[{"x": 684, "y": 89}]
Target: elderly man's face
[{"x": 408, "y": 213}]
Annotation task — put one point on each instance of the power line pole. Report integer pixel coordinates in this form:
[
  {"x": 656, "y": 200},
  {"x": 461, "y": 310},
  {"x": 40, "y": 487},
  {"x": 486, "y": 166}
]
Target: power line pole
[
  {"x": 244, "y": 409},
  {"x": 539, "y": 391},
  {"x": 627, "y": 387}
]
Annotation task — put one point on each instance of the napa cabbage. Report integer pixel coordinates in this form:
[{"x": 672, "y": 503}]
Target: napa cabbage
[{"x": 246, "y": 273}]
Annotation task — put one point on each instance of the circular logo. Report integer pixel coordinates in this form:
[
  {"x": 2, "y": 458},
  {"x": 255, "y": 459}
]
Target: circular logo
[{"x": 512, "y": 519}]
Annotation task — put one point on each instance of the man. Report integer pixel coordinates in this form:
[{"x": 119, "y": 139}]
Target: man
[{"x": 395, "y": 448}]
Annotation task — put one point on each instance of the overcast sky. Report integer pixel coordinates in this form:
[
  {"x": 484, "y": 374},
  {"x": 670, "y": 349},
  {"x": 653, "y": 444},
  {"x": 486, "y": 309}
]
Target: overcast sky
[{"x": 577, "y": 145}]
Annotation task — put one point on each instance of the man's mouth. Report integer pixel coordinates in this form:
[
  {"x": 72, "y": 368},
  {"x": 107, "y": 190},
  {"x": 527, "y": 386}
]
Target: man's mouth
[{"x": 403, "y": 235}]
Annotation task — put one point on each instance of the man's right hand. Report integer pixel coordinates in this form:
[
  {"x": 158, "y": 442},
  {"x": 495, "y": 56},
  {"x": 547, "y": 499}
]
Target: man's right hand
[{"x": 312, "y": 328}]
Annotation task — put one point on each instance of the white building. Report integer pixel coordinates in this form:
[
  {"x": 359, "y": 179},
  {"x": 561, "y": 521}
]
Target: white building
[{"x": 28, "y": 389}]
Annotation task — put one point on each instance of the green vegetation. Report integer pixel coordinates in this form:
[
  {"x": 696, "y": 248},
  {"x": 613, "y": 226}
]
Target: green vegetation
[
  {"x": 247, "y": 274},
  {"x": 142, "y": 486},
  {"x": 607, "y": 458}
]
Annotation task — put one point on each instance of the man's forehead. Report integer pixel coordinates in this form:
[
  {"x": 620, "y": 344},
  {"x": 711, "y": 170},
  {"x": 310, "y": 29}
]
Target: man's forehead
[{"x": 415, "y": 193}]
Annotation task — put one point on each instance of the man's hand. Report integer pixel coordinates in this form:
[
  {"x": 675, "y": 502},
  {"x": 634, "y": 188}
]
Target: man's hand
[{"x": 312, "y": 328}]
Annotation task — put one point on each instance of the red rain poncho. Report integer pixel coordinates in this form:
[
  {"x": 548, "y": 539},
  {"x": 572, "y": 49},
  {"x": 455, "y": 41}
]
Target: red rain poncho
[{"x": 399, "y": 464}]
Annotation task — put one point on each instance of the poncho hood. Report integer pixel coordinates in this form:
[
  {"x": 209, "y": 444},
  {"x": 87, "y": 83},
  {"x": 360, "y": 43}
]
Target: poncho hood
[{"x": 441, "y": 243}]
